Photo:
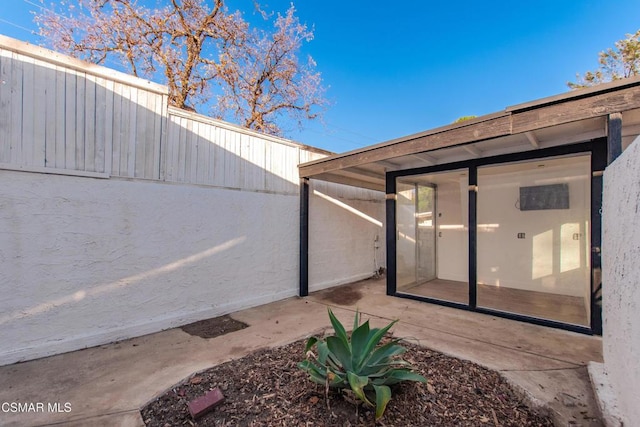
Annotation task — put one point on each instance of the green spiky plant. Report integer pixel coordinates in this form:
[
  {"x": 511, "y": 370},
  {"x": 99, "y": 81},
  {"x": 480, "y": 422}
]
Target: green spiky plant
[{"x": 358, "y": 362}]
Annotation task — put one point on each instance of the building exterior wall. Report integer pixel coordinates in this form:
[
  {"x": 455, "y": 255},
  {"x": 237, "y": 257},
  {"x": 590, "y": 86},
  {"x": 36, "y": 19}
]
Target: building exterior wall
[
  {"x": 121, "y": 216},
  {"x": 621, "y": 281},
  {"x": 346, "y": 234},
  {"x": 88, "y": 261}
]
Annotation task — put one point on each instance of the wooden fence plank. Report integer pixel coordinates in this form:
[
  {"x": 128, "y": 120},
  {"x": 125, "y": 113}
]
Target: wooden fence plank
[
  {"x": 90, "y": 124},
  {"x": 140, "y": 133},
  {"x": 132, "y": 118},
  {"x": 71, "y": 118},
  {"x": 117, "y": 130},
  {"x": 155, "y": 106},
  {"x": 203, "y": 154},
  {"x": 50, "y": 117},
  {"x": 28, "y": 109},
  {"x": 218, "y": 157},
  {"x": 6, "y": 69},
  {"x": 99, "y": 118},
  {"x": 60, "y": 118},
  {"x": 109, "y": 125},
  {"x": 81, "y": 81},
  {"x": 17, "y": 77},
  {"x": 173, "y": 145},
  {"x": 59, "y": 159},
  {"x": 182, "y": 151}
]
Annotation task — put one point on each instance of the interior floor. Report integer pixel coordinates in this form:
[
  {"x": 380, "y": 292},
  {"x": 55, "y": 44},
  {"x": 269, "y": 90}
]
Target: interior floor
[{"x": 561, "y": 308}]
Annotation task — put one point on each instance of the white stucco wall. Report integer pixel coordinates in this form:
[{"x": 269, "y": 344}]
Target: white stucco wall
[
  {"x": 343, "y": 224},
  {"x": 86, "y": 261},
  {"x": 621, "y": 281}
]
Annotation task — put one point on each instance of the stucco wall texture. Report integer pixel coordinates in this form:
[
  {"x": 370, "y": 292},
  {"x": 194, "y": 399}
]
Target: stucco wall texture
[
  {"x": 621, "y": 281},
  {"x": 87, "y": 261}
]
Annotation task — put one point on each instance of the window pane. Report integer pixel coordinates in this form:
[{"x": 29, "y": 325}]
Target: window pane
[
  {"x": 432, "y": 235},
  {"x": 533, "y": 238}
]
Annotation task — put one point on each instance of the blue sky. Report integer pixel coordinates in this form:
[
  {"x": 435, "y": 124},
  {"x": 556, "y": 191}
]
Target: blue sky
[{"x": 393, "y": 69}]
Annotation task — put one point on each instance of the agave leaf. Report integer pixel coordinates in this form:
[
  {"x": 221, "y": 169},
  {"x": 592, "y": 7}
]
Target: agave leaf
[
  {"x": 323, "y": 352},
  {"x": 358, "y": 343},
  {"x": 386, "y": 351},
  {"x": 338, "y": 328},
  {"x": 378, "y": 356},
  {"x": 358, "y": 384},
  {"x": 310, "y": 343},
  {"x": 398, "y": 375},
  {"x": 375, "y": 335},
  {"x": 340, "y": 351},
  {"x": 338, "y": 379},
  {"x": 317, "y": 374},
  {"x": 356, "y": 320},
  {"x": 383, "y": 396},
  {"x": 309, "y": 367}
]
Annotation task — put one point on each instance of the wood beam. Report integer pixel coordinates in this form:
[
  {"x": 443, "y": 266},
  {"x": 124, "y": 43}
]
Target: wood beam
[
  {"x": 338, "y": 178},
  {"x": 532, "y": 139},
  {"x": 631, "y": 130},
  {"x": 576, "y": 109},
  {"x": 614, "y": 136},
  {"x": 472, "y": 150},
  {"x": 424, "y": 157},
  {"x": 387, "y": 164},
  {"x": 490, "y": 128},
  {"x": 363, "y": 174},
  {"x": 526, "y": 118}
]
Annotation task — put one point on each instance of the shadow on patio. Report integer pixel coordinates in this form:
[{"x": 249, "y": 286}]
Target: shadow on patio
[{"x": 107, "y": 385}]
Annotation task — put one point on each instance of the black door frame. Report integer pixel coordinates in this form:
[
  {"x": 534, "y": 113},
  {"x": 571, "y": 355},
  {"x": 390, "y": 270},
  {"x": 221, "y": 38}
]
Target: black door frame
[{"x": 598, "y": 150}]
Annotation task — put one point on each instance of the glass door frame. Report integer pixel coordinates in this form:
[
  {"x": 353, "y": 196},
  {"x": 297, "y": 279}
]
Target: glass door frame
[{"x": 598, "y": 150}]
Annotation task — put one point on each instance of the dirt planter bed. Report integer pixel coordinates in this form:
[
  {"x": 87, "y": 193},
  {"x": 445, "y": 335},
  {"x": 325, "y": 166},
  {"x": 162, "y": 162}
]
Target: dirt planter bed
[{"x": 266, "y": 388}]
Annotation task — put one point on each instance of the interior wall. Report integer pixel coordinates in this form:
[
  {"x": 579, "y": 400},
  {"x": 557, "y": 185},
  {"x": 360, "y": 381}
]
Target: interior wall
[
  {"x": 548, "y": 258},
  {"x": 452, "y": 239},
  {"x": 346, "y": 234},
  {"x": 621, "y": 279},
  {"x": 406, "y": 236}
]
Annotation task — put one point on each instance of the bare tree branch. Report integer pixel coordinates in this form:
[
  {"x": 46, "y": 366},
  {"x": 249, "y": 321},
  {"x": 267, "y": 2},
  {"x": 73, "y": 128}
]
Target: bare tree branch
[{"x": 199, "y": 48}]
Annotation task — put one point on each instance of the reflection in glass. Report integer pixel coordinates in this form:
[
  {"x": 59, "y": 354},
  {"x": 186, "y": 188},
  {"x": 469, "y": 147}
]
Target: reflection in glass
[
  {"x": 536, "y": 261},
  {"x": 432, "y": 235}
]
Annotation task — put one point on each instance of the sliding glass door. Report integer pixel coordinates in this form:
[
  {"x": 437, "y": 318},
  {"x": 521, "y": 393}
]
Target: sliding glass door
[
  {"x": 431, "y": 238},
  {"x": 533, "y": 246},
  {"x": 509, "y": 235}
]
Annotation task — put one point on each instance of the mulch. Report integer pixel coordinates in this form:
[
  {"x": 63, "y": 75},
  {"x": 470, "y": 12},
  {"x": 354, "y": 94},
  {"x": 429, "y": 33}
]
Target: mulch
[{"x": 266, "y": 388}]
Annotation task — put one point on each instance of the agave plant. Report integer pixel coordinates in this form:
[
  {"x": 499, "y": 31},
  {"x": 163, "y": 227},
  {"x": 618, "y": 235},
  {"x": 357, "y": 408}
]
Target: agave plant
[{"x": 358, "y": 362}]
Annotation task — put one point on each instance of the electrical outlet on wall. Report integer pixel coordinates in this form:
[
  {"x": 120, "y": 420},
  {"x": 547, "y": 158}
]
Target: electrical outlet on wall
[{"x": 521, "y": 235}]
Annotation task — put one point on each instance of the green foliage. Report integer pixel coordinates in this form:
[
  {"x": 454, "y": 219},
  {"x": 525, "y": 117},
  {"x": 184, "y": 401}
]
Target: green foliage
[
  {"x": 616, "y": 63},
  {"x": 358, "y": 362},
  {"x": 464, "y": 119}
]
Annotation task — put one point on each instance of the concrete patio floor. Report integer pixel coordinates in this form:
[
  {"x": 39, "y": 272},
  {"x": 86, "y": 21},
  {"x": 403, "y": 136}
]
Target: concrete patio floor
[{"x": 107, "y": 385}]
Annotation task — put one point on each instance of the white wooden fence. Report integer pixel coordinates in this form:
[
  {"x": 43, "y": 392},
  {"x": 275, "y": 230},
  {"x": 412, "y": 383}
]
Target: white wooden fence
[
  {"x": 74, "y": 251},
  {"x": 62, "y": 115}
]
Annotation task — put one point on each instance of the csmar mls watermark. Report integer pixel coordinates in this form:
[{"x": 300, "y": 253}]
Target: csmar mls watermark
[{"x": 35, "y": 407}]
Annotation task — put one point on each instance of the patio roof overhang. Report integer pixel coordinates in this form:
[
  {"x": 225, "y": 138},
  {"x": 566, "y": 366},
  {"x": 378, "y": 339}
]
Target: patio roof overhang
[{"x": 572, "y": 117}]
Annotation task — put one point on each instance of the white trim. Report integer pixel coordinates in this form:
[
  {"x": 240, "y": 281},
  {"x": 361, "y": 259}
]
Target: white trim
[
  {"x": 57, "y": 58},
  {"x": 53, "y": 171},
  {"x": 240, "y": 129}
]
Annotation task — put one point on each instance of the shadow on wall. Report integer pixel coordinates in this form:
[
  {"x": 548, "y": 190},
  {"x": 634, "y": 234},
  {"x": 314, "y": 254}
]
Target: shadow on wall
[
  {"x": 86, "y": 261},
  {"x": 350, "y": 246}
]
